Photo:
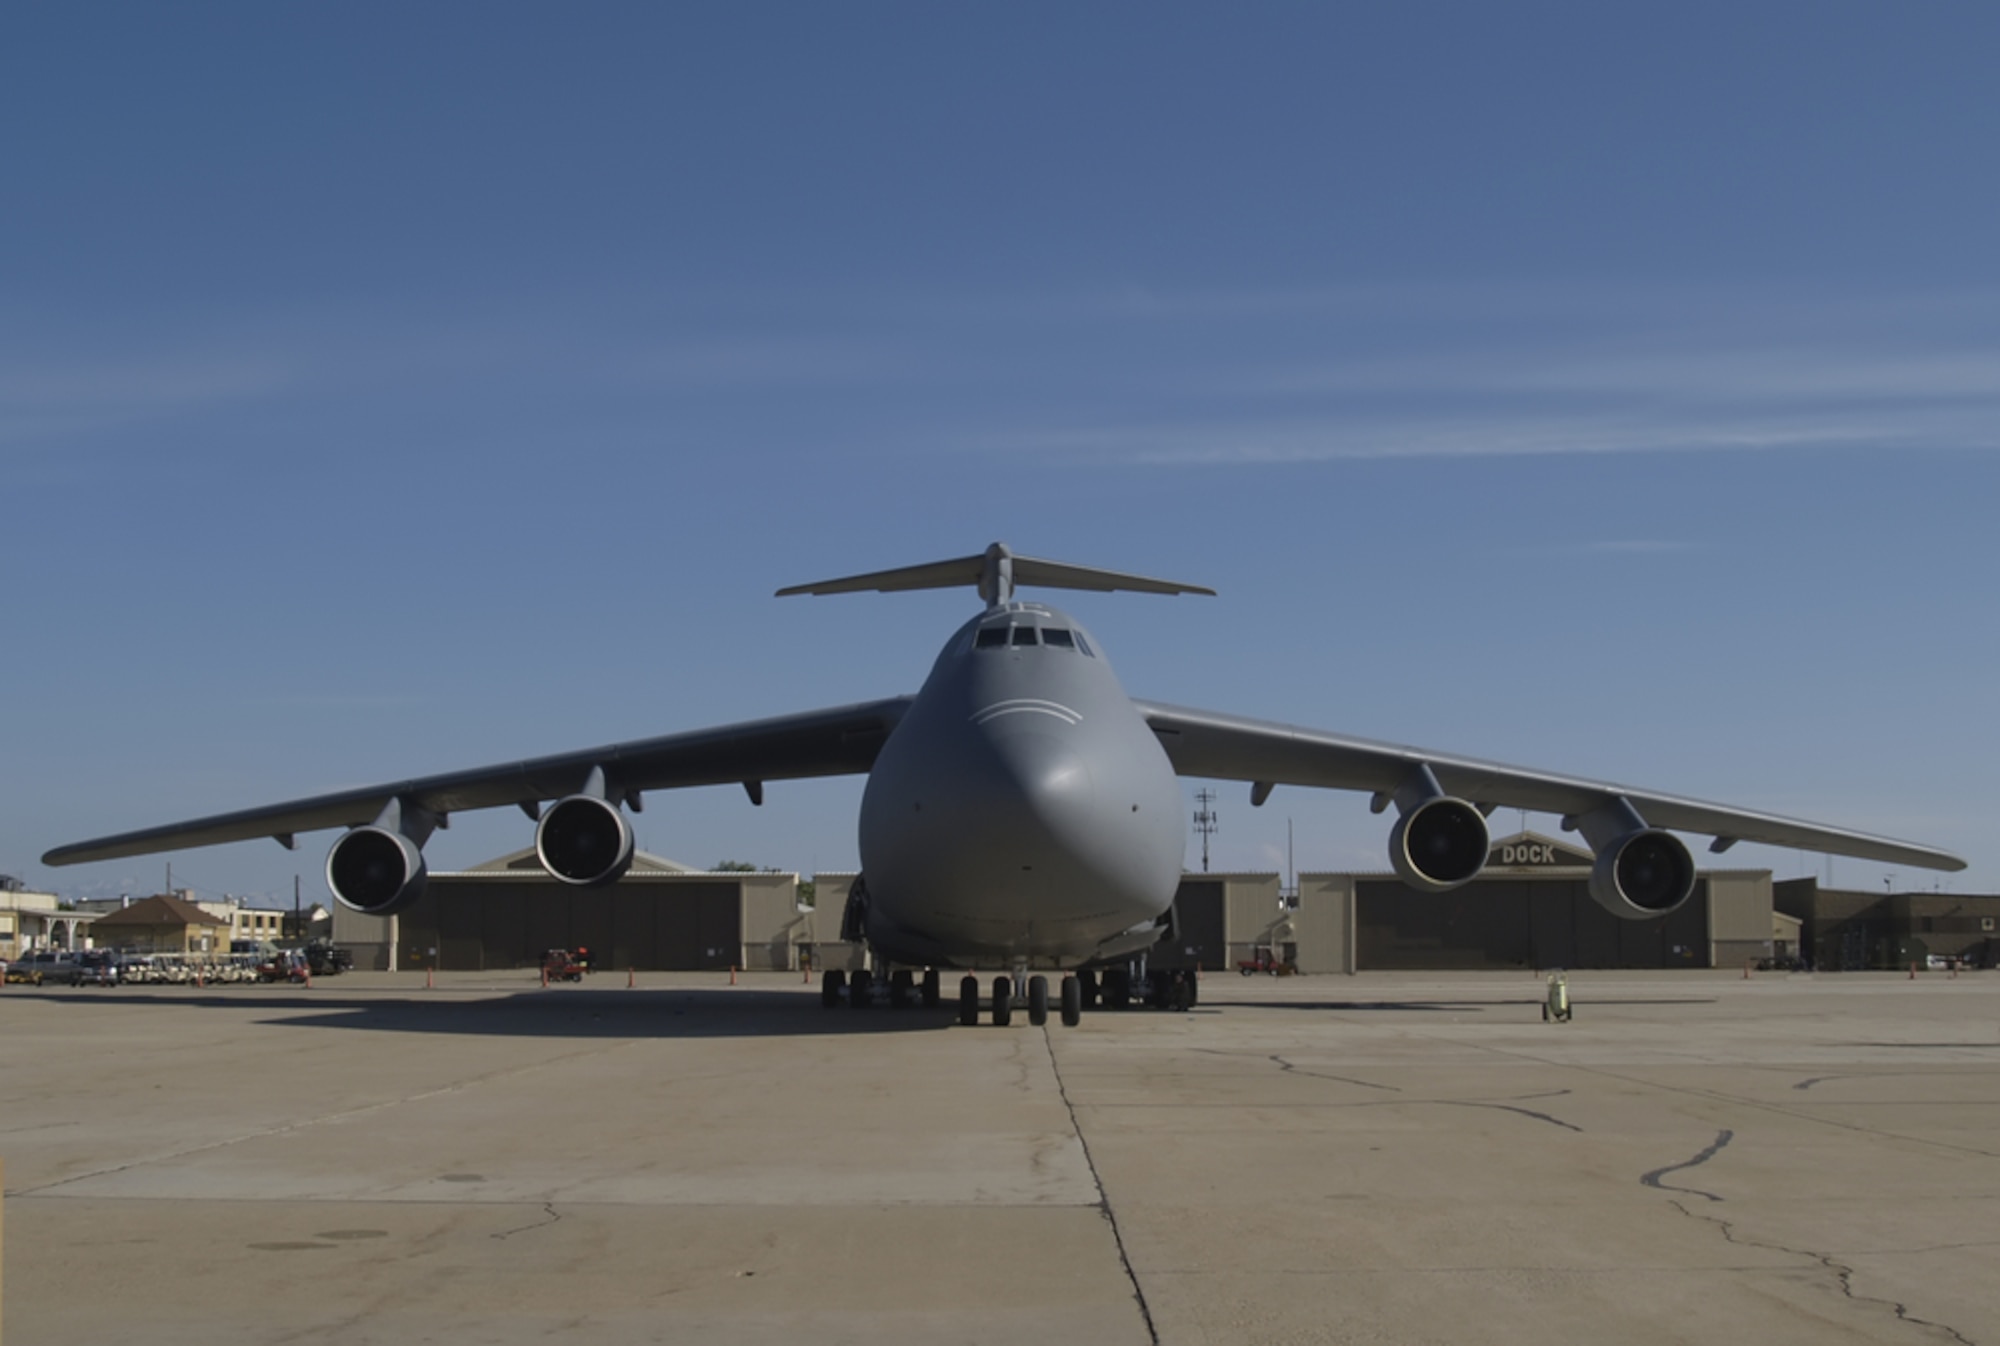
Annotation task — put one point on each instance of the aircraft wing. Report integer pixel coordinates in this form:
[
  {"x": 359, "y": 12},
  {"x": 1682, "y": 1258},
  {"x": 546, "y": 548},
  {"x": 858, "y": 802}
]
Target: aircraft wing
[
  {"x": 1230, "y": 747},
  {"x": 836, "y": 742}
]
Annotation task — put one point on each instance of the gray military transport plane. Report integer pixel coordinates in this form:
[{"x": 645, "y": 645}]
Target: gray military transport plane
[{"x": 1021, "y": 810}]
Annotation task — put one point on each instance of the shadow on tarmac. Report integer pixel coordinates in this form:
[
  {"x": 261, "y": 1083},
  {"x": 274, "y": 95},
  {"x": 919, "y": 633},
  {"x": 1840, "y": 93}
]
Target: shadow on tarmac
[
  {"x": 680, "y": 1012},
  {"x": 559, "y": 1013},
  {"x": 1429, "y": 1006}
]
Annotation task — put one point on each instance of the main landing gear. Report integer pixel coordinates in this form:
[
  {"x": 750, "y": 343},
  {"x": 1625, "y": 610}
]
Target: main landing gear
[
  {"x": 857, "y": 989},
  {"x": 1113, "y": 988}
]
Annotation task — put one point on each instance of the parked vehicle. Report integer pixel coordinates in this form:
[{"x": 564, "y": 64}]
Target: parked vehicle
[
  {"x": 97, "y": 967},
  {"x": 1265, "y": 959},
  {"x": 562, "y": 965},
  {"x": 45, "y": 965},
  {"x": 286, "y": 966},
  {"x": 327, "y": 960}
]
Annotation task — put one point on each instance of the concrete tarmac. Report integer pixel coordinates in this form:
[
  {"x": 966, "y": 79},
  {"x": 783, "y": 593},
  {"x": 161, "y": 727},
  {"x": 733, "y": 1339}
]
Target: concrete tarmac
[{"x": 1383, "y": 1158}]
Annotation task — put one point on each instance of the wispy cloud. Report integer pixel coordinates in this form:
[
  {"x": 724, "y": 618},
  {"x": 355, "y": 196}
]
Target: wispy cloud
[
  {"x": 1252, "y": 440},
  {"x": 52, "y": 398}
]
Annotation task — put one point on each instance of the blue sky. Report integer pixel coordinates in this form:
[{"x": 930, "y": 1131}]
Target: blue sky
[{"x": 386, "y": 389}]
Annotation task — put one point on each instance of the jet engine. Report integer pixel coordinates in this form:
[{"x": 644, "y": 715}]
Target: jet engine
[
  {"x": 1439, "y": 844},
  {"x": 1642, "y": 874},
  {"x": 584, "y": 840},
  {"x": 376, "y": 870}
]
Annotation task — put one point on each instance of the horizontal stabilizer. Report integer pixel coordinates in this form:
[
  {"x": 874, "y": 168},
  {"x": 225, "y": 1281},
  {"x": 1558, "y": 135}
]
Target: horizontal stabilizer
[{"x": 995, "y": 573}]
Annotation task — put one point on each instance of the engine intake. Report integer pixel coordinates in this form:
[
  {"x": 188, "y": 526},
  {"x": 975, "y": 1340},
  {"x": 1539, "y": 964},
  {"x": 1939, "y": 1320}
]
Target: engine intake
[
  {"x": 1439, "y": 845},
  {"x": 585, "y": 841},
  {"x": 1643, "y": 874},
  {"x": 376, "y": 871}
]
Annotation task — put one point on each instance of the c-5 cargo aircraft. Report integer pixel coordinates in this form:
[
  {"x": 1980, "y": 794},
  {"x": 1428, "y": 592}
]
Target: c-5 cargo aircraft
[{"x": 1021, "y": 810}]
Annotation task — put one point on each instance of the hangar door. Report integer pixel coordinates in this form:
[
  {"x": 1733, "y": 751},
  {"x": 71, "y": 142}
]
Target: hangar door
[
  {"x": 1518, "y": 923},
  {"x": 478, "y": 924},
  {"x": 1200, "y": 910}
]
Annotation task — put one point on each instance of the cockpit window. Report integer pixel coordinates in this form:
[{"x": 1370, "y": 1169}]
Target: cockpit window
[
  {"x": 1058, "y": 636},
  {"x": 1084, "y": 645},
  {"x": 990, "y": 637},
  {"x": 1024, "y": 635}
]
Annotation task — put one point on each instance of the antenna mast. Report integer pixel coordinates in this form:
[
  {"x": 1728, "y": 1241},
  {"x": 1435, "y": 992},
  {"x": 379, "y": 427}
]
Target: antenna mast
[{"x": 1204, "y": 821}]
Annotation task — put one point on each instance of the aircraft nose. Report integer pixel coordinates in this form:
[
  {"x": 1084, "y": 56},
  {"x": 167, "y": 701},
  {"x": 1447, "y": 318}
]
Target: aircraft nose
[{"x": 1048, "y": 777}]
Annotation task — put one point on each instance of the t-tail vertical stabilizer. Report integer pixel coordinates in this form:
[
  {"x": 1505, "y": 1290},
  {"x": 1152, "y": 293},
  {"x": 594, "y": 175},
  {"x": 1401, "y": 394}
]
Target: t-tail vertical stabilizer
[{"x": 995, "y": 572}]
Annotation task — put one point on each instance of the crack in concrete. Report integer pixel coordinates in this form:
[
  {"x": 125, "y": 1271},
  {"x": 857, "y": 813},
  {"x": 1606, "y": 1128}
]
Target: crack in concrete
[
  {"x": 1509, "y": 1107},
  {"x": 1109, "y": 1216},
  {"x": 1652, "y": 1179},
  {"x": 1292, "y": 1068},
  {"x": 1843, "y": 1274},
  {"x": 548, "y": 1209},
  {"x": 1722, "y": 1096}
]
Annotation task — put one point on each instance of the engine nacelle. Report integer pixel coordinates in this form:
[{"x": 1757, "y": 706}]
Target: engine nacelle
[
  {"x": 376, "y": 871},
  {"x": 1439, "y": 845},
  {"x": 585, "y": 841},
  {"x": 1642, "y": 874}
]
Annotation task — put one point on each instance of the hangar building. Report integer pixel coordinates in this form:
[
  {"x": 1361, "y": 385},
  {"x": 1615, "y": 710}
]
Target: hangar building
[
  {"x": 1531, "y": 908},
  {"x": 1846, "y": 931},
  {"x": 661, "y": 915}
]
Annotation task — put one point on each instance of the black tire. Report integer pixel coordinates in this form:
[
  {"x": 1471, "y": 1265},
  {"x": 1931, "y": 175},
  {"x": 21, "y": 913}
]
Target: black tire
[
  {"x": 1038, "y": 1001},
  {"x": 931, "y": 993},
  {"x": 1072, "y": 1002},
  {"x": 901, "y": 982},
  {"x": 832, "y": 983},
  {"x": 968, "y": 1001},
  {"x": 860, "y": 989},
  {"x": 1003, "y": 1002},
  {"x": 1246, "y": 970},
  {"x": 1117, "y": 988},
  {"x": 1087, "y": 981}
]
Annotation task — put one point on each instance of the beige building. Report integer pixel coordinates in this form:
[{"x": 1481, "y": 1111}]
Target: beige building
[
  {"x": 1530, "y": 908},
  {"x": 163, "y": 924},
  {"x": 30, "y": 920},
  {"x": 508, "y": 912}
]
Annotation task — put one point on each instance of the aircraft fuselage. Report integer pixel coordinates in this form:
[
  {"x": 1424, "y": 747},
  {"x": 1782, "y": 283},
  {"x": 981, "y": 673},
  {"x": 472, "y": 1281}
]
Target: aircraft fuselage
[{"x": 1022, "y": 809}]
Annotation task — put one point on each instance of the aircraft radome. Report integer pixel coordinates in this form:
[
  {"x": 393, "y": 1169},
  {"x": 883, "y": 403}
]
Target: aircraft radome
[{"x": 1021, "y": 811}]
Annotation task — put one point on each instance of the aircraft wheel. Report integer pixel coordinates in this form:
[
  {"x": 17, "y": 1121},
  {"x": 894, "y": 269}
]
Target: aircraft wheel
[
  {"x": 833, "y": 981},
  {"x": 968, "y": 1001},
  {"x": 1072, "y": 1002},
  {"x": 931, "y": 994},
  {"x": 1087, "y": 981},
  {"x": 900, "y": 983},
  {"x": 1117, "y": 988},
  {"x": 860, "y": 989},
  {"x": 1003, "y": 1002},
  {"x": 1038, "y": 1001}
]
